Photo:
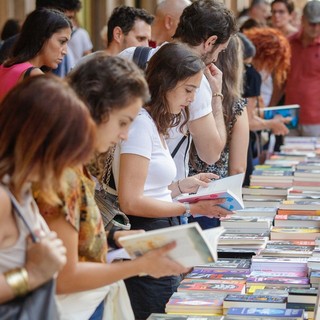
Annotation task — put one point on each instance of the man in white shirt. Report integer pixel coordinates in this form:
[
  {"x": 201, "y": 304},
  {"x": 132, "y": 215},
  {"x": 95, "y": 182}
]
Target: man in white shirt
[{"x": 205, "y": 28}]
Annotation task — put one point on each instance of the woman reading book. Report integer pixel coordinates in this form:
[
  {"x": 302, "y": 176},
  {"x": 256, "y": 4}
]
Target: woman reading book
[
  {"x": 114, "y": 91},
  {"x": 144, "y": 169}
]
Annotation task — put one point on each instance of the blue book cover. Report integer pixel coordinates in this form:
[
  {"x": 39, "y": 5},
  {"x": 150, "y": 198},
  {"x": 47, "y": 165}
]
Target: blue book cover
[
  {"x": 270, "y": 312},
  {"x": 291, "y": 111}
]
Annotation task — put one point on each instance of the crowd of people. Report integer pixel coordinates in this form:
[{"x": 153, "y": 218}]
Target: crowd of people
[{"x": 192, "y": 115}]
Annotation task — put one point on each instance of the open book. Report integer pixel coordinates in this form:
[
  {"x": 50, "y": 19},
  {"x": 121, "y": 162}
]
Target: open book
[
  {"x": 290, "y": 110},
  {"x": 229, "y": 188},
  {"x": 194, "y": 245}
]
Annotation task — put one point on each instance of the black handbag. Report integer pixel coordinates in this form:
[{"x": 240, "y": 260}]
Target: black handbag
[{"x": 38, "y": 304}]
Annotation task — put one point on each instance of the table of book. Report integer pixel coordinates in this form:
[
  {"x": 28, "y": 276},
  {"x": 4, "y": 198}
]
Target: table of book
[{"x": 269, "y": 255}]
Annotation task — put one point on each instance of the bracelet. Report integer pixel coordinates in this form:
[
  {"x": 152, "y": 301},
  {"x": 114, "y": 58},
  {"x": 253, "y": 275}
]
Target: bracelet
[
  {"x": 188, "y": 210},
  {"x": 18, "y": 281},
  {"x": 178, "y": 183},
  {"x": 218, "y": 94}
]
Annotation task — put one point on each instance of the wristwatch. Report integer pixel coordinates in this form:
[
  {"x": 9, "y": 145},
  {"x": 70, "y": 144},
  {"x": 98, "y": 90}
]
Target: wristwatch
[{"x": 188, "y": 210}]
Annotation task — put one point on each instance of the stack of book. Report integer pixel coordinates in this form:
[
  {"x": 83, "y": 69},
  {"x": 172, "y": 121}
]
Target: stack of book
[
  {"x": 243, "y": 245},
  {"x": 253, "y": 301},
  {"x": 263, "y": 193},
  {"x": 272, "y": 176},
  {"x": 279, "y": 264},
  {"x": 212, "y": 286},
  {"x": 306, "y": 179},
  {"x": 199, "y": 303},
  {"x": 289, "y": 249},
  {"x": 253, "y": 225},
  {"x": 299, "y": 298}
]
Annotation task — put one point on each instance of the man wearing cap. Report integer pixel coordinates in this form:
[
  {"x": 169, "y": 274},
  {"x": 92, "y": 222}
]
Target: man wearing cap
[{"x": 303, "y": 82}]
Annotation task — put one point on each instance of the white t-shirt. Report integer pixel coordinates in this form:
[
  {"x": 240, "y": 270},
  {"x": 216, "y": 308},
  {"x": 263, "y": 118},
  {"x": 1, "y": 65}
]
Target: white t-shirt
[
  {"x": 144, "y": 140},
  {"x": 79, "y": 43},
  {"x": 199, "y": 108},
  {"x": 266, "y": 87}
]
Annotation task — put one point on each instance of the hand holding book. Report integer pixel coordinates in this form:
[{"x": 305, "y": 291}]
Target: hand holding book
[{"x": 229, "y": 189}]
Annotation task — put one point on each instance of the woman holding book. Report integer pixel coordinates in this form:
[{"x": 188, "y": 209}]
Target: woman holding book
[
  {"x": 114, "y": 90},
  {"x": 144, "y": 169},
  {"x": 31, "y": 255}
]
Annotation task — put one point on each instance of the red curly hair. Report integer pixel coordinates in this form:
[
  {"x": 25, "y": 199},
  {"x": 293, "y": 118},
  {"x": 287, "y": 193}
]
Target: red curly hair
[{"x": 273, "y": 52}]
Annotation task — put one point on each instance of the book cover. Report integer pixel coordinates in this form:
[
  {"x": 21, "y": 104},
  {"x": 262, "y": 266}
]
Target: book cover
[
  {"x": 228, "y": 263},
  {"x": 279, "y": 281},
  {"x": 160, "y": 316},
  {"x": 293, "y": 314},
  {"x": 215, "y": 276},
  {"x": 229, "y": 188},
  {"x": 291, "y": 111},
  {"x": 193, "y": 246},
  {"x": 254, "y": 301},
  {"x": 212, "y": 287}
]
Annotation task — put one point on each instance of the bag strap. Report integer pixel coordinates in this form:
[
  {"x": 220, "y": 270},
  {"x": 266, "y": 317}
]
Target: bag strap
[
  {"x": 18, "y": 211},
  {"x": 140, "y": 56},
  {"x": 176, "y": 149},
  {"x": 27, "y": 73}
]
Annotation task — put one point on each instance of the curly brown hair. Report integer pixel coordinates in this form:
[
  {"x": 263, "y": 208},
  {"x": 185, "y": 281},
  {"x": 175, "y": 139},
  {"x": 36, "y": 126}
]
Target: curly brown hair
[{"x": 273, "y": 52}]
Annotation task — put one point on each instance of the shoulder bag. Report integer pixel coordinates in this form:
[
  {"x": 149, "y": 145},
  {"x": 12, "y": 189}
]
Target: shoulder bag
[
  {"x": 38, "y": 304},
  {"x": 108, "y": 203}
]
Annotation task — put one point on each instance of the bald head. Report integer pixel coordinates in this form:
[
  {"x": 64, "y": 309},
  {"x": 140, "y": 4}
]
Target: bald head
[{"x": 166, "y": 20}]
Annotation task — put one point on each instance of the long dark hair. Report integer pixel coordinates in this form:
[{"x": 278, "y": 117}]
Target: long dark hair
[
  {"x": 170, "y": 64},
  {"x": 39, "y": 26}
]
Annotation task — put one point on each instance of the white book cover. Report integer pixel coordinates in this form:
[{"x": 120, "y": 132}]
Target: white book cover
[
  {"x": 229, "y": 188},
  {"x": 194, "y": 246}
]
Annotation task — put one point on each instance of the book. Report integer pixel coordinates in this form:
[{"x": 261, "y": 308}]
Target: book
[
  {"x": 284, "y": 220},
  {"x": 294, "y": 233},
  {"x": 254, "y": 301},
  {"x": 195, "y": 303},
  {"x": 246, "y": 223},
  {"x": 223, "y": 287},
  {"x": 257, "y": 211},
  {"x": 162, "y": 316},
  {"x": 302, "y": 295},
  {"x": 194, "y": 245},
  {"x": 302, "y": 282},
  {"x": 264, "y": 191},
  {"x": 228, "y": 264},
  {"x": 285, "y": 111},
  {"x": 229, "y": 188},
  {"x": 299, "y": 205},
  {"x": 215, "y": 276},
  {"x": 265, "y": 313}
]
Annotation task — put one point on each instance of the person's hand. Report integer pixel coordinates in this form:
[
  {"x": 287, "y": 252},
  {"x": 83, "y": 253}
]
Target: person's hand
[
  {"x": 214, "y": 77},
  {"x": 123, "y": 233},
  {"x": 44, "y": 259},
  {"x": 209, "y": 208},
  {"x": 156, "y": 263},
  {"x": 192, "y": 183},
  {"x": 278, "y": 127}
]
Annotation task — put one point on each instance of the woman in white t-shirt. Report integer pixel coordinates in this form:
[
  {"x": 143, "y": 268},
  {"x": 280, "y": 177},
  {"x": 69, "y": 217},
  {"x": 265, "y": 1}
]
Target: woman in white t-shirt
[{"x": 144, "y": 169}]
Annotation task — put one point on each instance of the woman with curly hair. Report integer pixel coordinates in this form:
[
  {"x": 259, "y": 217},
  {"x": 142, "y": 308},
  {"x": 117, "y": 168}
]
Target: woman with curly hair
[{"x": 272, "y": 60}]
